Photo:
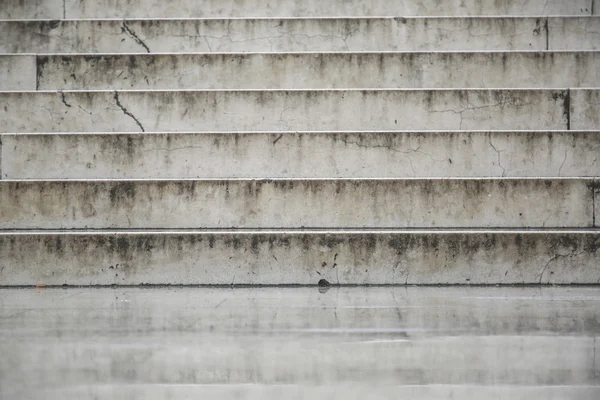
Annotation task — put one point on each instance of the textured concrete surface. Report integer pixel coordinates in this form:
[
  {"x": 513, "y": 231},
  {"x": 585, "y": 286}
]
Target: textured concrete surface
[
  {"x": 344, "y": 343},
  {"x": 292, "y": 114},
  {"x": 289, "y": 110},
  {"x": 585, "y": 109},
  {"x": 244, "y": 35},
  {"x": 13, "y": 9},
  {"x": 331, "y": 203},
  {"x": 306, "y": 70},
  {"x": 574, "y": 33},
  {"x": 312, "y": 34},
  {"x": 264, "y": 8},
  {"x": 17, "y": 72},
  {"x": 300, "y": 257},
  {"x": 384, "y": 154}
]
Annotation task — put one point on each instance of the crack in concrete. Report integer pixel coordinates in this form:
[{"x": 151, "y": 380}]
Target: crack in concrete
[
  {"x": 62, "y": 98},
  {"x": 281, "y": 121},
  {"x": 554, "y": 258},
  {"x": 343, "y": 38},
  {"x": 125, "y": 28},
  {"x": 498, "y": 155},
  {"x": 277, "y": 139},
  {"x": 84, "y": 110},
  {"x": 116, "y": 97},
  {"x": 469, "y": 107},
  {"x": 280, "y": 34},
  {"x": 562, "y": 164},
  {"x": 49, "y": 112},
  {"x": 403, "y": 152}
]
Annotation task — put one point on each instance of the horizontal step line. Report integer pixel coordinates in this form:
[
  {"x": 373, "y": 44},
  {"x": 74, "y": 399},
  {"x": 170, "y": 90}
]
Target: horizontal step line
[
  {"x": 279, "y": 53},
  {"x": 297, "y": 285},
  {"x": 465, "y": 131},
  {"x": 335, "y": 90},
  {"x": 330, "y": 179},
  {"x": 308, "y": 18},
  {"x": 296, "y": 231}
]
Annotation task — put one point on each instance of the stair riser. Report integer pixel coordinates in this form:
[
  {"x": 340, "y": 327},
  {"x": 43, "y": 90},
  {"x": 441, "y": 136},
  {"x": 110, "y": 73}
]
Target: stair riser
[
  {"x": 300, "y": 155},
  {"x": 277, "y": 258},
  {"x": 323, "y": 110},
  {"x": 280, "y": 35},
  {"x": 56, "y": 9},
  {"x": 300, "y": 203},
  {"x": 17, "y": 72},
  {"x": 299, "y": 71}
]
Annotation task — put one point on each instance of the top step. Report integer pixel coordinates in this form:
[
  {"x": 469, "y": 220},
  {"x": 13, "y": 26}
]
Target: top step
[{"x": 84, "y": 9}]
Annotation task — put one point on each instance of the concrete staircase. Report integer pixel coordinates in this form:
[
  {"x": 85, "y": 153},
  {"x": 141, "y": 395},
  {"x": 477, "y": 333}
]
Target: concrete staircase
[{"x": 257, "y": 142}]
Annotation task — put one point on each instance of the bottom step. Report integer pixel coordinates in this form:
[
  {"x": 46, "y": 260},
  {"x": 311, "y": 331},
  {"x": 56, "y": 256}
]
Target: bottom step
[{"x": 288, "y": 257}]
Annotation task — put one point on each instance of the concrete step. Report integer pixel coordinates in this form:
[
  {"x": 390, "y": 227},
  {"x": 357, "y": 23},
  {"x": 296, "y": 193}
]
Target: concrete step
[
  {"x": 383, "y": 154},
  {"x": 302, "y": 70},
  {"x": 426, "y": 312},
  {"x": 300, "y": 257},
  {"x": 343, "y": 391},
  {"x": 305, "y": 34},
  {"x": 295, "y": 203},
  {"x": 74, "y": 9},
  {"x": 291, "y": 110},
  {"x": 269, "y": 343},
  {"x": 235, "y": 359}
]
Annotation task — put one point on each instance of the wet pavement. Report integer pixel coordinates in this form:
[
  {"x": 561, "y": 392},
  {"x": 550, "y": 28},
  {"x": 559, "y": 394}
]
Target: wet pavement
[{"x": 300, "y": 343}]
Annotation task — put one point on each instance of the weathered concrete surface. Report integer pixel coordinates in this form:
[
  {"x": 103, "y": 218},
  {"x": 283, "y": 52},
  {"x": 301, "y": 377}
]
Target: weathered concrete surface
[
  {"x": 271, "y": 343},
  {"x": 585, "y": 108},
  {"x": 426, "y": 343},
  {"x": 280, "y": 257},
  {"x": 492, "y": 257},
  {"x": 265, "y": 8},
  {"x": 280, "y": 35},
  {"x": 344, "y": 391},
  {"x": 44, "y": 9},
  {"x": 331, "y": 203},
  {"x": 597, "y": 207},
  {"x": 314, "y": 70},
  {"x": 574, "y": 33},
  {"x": 387, "y": 154},
  {"x": 17, "y": 72},
  {"x": 290, "y": 110}
]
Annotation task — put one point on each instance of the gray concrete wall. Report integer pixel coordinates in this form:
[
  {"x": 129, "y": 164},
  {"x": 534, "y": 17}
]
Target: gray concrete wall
[
  {"x": 266, "y": 35},
  {"x": 170, "y": 111},
  {"x": 300, "y": 154},
  {"x": 264, "y": 8},
  {"x": 305, "y": 70},
  {"x": 332, "y": 203},
  {"x": 430, "y": 257}
]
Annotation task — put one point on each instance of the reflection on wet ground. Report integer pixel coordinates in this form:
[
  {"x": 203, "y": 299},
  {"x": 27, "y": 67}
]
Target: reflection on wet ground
[{"x": 346, "y": 343}]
